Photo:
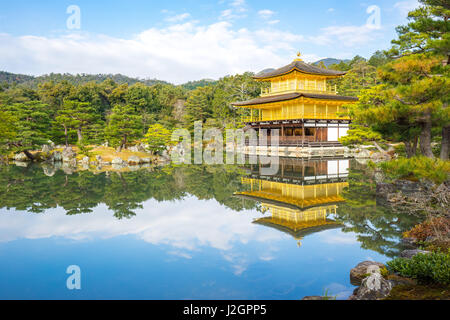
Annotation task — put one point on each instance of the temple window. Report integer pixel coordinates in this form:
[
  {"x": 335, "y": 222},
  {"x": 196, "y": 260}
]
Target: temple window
[{"x": 310, "y": 132}]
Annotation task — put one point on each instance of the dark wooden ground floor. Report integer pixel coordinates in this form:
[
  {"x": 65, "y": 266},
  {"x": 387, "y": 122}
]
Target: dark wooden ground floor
[{"x": 301, "y": 133}]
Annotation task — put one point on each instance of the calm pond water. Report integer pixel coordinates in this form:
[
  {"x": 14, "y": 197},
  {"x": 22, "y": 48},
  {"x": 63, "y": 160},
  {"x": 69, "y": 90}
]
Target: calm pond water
[{"x": 192, "y": 232}]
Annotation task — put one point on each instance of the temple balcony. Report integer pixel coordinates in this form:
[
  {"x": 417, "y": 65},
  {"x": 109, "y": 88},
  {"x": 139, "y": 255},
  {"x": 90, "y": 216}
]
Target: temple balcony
[
  {"x": 301, "y": 116},
  {"x": 309, "y": 87}
]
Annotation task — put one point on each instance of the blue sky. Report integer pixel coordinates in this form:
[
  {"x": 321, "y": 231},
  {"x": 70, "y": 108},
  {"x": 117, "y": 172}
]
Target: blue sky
[{"x": 180, "y": 41}]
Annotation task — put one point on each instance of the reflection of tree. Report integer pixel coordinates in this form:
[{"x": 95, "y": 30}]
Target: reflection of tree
[
  {"x": 29, "y": 189},
  {"x": 377, "y": 228}
]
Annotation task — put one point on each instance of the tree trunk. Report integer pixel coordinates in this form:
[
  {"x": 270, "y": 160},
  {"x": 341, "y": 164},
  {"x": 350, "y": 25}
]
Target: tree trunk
[
  {"x": 411, "y": 148},
  {"x": 80, "y": 136},
  {"x": 445, "y": 142},
  {"x": 425, "y": 136},
  {"x": 123, "y": 143},
  {"x": 29, "y": 155},
  {"x": 67, "y": 138}
]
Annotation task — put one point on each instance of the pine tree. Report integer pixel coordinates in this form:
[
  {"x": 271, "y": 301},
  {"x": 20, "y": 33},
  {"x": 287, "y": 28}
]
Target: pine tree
[{"x": 124, "y": 125}]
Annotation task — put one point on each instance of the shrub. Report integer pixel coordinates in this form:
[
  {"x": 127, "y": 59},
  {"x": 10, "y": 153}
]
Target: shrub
[
  {"x": 434, "y": 227},
  {"x": 432, "y": 267},
  {"x": 417, "y": 168}
]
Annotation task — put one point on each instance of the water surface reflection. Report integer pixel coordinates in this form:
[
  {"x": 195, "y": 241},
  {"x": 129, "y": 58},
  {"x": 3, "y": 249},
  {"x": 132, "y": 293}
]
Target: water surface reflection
[{"x": 200, "y": 232}]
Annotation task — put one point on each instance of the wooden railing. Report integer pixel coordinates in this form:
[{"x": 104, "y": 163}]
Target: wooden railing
[
  {"x": 310, "y": 88},
  {"x": 306, "y": 115}
]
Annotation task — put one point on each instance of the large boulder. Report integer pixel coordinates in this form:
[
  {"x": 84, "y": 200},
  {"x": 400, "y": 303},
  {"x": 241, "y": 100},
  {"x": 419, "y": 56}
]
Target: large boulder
[
  {"x": 134, "y": 149},
  {"x": 311, "y": 298},
  {"x": 374, "y": 287},
  {"x": 21, "y": 157},
  {"x": 57, "y": 156},
  {"x": 411, "y": 253},
  {"x": 362, "y": 270},
  {"x": 45, "y": 149},
  {"x": 117, "y": 161},
  {"x": 68, "y": 154},
  {"x": 134, "y": 160}
]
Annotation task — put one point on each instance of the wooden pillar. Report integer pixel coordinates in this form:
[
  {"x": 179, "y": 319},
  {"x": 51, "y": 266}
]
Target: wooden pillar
[{"x": 303, "y": 133}]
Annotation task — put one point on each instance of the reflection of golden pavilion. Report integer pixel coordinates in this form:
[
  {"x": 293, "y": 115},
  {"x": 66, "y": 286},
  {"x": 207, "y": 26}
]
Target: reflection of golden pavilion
[{"x": 298, "y": 208}]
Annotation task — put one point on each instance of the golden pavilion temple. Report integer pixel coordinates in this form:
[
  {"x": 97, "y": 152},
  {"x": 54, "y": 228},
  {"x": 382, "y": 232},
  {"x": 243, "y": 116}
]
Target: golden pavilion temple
[
  {"x": 301, "y": 104},
  {"x": 301, "y": 197}
]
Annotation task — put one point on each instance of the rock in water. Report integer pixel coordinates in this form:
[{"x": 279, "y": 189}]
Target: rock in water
[
  {"x": 134, "y": 160},
  {"x": 117, "y": 161},
  {"x": 134, "y": 149},
  {"x": 46, "y": 148},
  {"x": 68, "y": 154},
  {"x": 411, "y": 253},
  {"x": 314, "y": 298},
  {"x": 21, "y": 157},
  {"x": 374, "y": 287},
  {"x": 362, "y": 270},
  {"x": 57, "y": 156}
]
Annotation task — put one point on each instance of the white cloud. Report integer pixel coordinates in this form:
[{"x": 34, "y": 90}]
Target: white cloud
[
  {"x": 272, "y": 22},
  {"x": 178, "y": 53},
  {"x": 406, "y": 6},
  {"x": 347, "y": 36},
  {"x": 239, "y": 5},
  {"x": 178, "y": 18},
  {"x": 331, "y": 10},
  {"x": 266, "y": 13}
]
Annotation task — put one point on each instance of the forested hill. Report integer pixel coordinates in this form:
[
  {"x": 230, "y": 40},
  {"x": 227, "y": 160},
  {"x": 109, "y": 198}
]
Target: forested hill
[
  {"x": 78, "y": 79},
  {"x": 330, "y": 61},
  {"x": 14, "y": 78}
]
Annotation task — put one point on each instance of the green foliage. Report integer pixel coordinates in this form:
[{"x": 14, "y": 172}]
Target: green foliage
[
  {"x": 432, "y": 267},
  {"x": 359, "y": 135},
  {"x": 84, "y": 150},
  {"x": 7, "y": 130},
  {"x": 158, "y": 138},
  {"x": 360, "y": 75},
  {"x": 192, "y": 85},
  {"x": 427, "y": 31},
  {"x": 376, "y": 226},
  {"x": 124, "y": 125},
  {"x": 32, "y": 125},
  {"x": 417, "y": 168},
  {"x": 75, "y": 80}
]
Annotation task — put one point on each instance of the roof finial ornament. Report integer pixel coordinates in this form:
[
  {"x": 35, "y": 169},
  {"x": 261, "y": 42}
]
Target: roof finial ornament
[{"x": 298, "y": 56}]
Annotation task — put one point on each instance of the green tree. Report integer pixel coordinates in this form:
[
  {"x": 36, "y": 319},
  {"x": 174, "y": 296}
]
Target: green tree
[
  {"x": 198, "y": 106},
  {"x": 158, "y": 138},
  {"x": 419, "y": 85},
  {"x": 33, "y": 123},
  {"x": 428, "y": 32},
  {"x": 77, "y": 116},
  {"x": 124, "y": 124},
  {"x": 7, "y": 130}
]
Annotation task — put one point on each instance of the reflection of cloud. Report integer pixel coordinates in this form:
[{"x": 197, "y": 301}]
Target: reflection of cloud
[
  {"x": 331, "y": 237},
  {"x": 339, "y": 291},
  {"x": 188, "y": 224},
  {"x": 180, "y": 254}
]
